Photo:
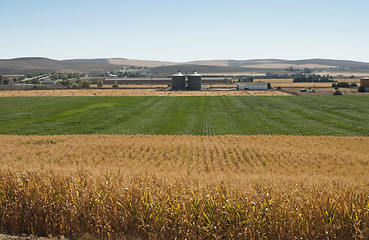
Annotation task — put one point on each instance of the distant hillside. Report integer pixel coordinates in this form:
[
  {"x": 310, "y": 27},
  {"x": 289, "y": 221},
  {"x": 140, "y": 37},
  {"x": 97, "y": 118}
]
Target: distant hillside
[
  {"x": 338, "y": 63},
  {"x": 282, "y": 64},
  {"x": 141, "y": 63},
  {"x": 44, "y": 65},
  {"x": 189, "y": 68}
]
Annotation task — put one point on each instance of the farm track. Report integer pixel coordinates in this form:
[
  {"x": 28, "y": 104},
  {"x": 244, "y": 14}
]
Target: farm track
[{"x": 152, "y": 186}]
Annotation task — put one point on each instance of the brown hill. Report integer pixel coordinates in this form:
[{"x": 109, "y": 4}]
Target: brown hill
[{"x": 45, "y": 65}]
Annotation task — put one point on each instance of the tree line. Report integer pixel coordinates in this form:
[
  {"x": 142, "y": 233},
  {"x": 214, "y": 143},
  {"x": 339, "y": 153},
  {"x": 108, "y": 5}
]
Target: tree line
[{"x": 313, "y": 78}]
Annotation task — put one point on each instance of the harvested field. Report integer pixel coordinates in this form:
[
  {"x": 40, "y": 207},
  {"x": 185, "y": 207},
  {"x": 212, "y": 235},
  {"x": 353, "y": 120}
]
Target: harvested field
[
  {"x": 290, "y": 80},
  {"x": 131, "y": 92},
  {"x": 289, "y": 83},
  {"x": 245, "y": 187},
  {"x": 324, "y": 91},
  {"x": 303, "y": 85},
  {"x": 268, "y": 93}
]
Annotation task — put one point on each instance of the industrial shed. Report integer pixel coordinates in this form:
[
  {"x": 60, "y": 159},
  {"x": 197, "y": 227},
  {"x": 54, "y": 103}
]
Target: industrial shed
[
  {"x": 364, "y": 82},
  {"x": 252, "y": 86}
]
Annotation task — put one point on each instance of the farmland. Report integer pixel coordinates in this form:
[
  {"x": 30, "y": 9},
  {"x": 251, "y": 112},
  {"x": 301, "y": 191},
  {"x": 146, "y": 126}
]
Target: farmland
[
  {"x": 142, "y": 186},
  {"x": 217, "y": 115},
  {"x": 132, "y": 91},
  {"x": 132, "y": 167}
]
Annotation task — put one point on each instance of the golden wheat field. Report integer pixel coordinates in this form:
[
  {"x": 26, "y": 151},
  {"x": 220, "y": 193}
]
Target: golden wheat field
[{"x": 185, "y": 187}]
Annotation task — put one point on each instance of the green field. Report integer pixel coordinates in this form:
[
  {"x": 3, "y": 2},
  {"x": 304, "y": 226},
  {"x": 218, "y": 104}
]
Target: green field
[{"x": 329, "y": 115}]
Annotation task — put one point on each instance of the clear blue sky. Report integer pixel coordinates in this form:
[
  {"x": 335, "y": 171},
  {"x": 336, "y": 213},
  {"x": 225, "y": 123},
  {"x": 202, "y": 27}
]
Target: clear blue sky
[{"x": 185, "y": 30}]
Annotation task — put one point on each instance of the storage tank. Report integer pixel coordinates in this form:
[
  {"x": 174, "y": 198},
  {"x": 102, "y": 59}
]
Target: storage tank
[
  {"x": 364, "y": 82},
  {"x": 194, "y": 81},
  {"x": 178, "y": 81}
]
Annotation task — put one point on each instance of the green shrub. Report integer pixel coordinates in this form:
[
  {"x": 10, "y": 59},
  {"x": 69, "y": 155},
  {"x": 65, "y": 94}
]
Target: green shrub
[
  {"x": 361, "y": 89},
  {"x": 337, "y": 92},
  {"x": 115, "y": 85},
  {"x": 343, "y": 84},
  {"x": 84, "y": 84},
  {"x": 100, "y": 84}
]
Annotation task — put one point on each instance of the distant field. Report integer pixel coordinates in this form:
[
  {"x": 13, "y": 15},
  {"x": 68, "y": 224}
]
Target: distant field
[
  {"x": 330, "y": 115},
  {"x": 185, "y": 187},
  {"x": 288, "y": 82},
  {"x": 130, "y": 91}
]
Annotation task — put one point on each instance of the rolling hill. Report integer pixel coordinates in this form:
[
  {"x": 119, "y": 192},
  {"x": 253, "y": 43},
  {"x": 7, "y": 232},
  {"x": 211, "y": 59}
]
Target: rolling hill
[{"x": 44, "y": 65}]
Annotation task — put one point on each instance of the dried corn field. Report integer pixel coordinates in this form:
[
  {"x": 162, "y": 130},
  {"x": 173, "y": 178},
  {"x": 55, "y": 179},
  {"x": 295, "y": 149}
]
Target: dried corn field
[{"x": 149, "y": 186}]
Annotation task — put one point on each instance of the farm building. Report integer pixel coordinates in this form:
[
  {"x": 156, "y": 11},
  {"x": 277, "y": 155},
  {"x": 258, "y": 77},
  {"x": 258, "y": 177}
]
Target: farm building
[
  {"x": 252, "y": 86},
  {"x": 48, "y": 82},
  {"x": 194, "y": 81},
  {"x": 364, "y": 84},
  {"x": 178, "y": 81}
]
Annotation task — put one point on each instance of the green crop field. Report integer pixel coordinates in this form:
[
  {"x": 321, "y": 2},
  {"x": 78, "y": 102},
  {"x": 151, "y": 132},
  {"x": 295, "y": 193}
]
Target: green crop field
[{"x": 329, "y": 115}]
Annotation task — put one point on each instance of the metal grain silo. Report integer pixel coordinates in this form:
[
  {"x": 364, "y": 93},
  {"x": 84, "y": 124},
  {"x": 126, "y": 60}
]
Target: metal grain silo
[
  {"x": 194, "y": 81},
  {"x": 178, "y": 81}
]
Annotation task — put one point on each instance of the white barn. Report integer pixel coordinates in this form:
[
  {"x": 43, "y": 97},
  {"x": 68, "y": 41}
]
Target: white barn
[{"x": 252, "y": 86}]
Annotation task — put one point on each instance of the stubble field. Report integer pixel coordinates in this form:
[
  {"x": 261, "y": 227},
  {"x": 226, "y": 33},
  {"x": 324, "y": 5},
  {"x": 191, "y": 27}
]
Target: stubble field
[{"x": 132, "y": 92}]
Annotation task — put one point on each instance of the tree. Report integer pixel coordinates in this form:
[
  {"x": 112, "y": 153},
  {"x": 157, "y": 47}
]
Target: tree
[
  {"x": 115, "y": 85},
  {"x": 100, "y": 84},
  {"x": 343, "y": 84},
  {"x": 66, "y": 83},
  {"x": 84, "y": 84},
  {"x": 361, "y": 89},
  {"x": 4, "y": 80}
]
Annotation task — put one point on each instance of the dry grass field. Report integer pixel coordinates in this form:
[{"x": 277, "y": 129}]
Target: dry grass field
[
  {"x": 289, "y": 82},
  {"x": 131, "y": 92},
  {"x": 185, "y": 187}
]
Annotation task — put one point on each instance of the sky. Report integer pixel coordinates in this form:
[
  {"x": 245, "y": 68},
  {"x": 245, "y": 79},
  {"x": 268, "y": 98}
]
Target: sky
[{"x": 185, "y": 30}]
